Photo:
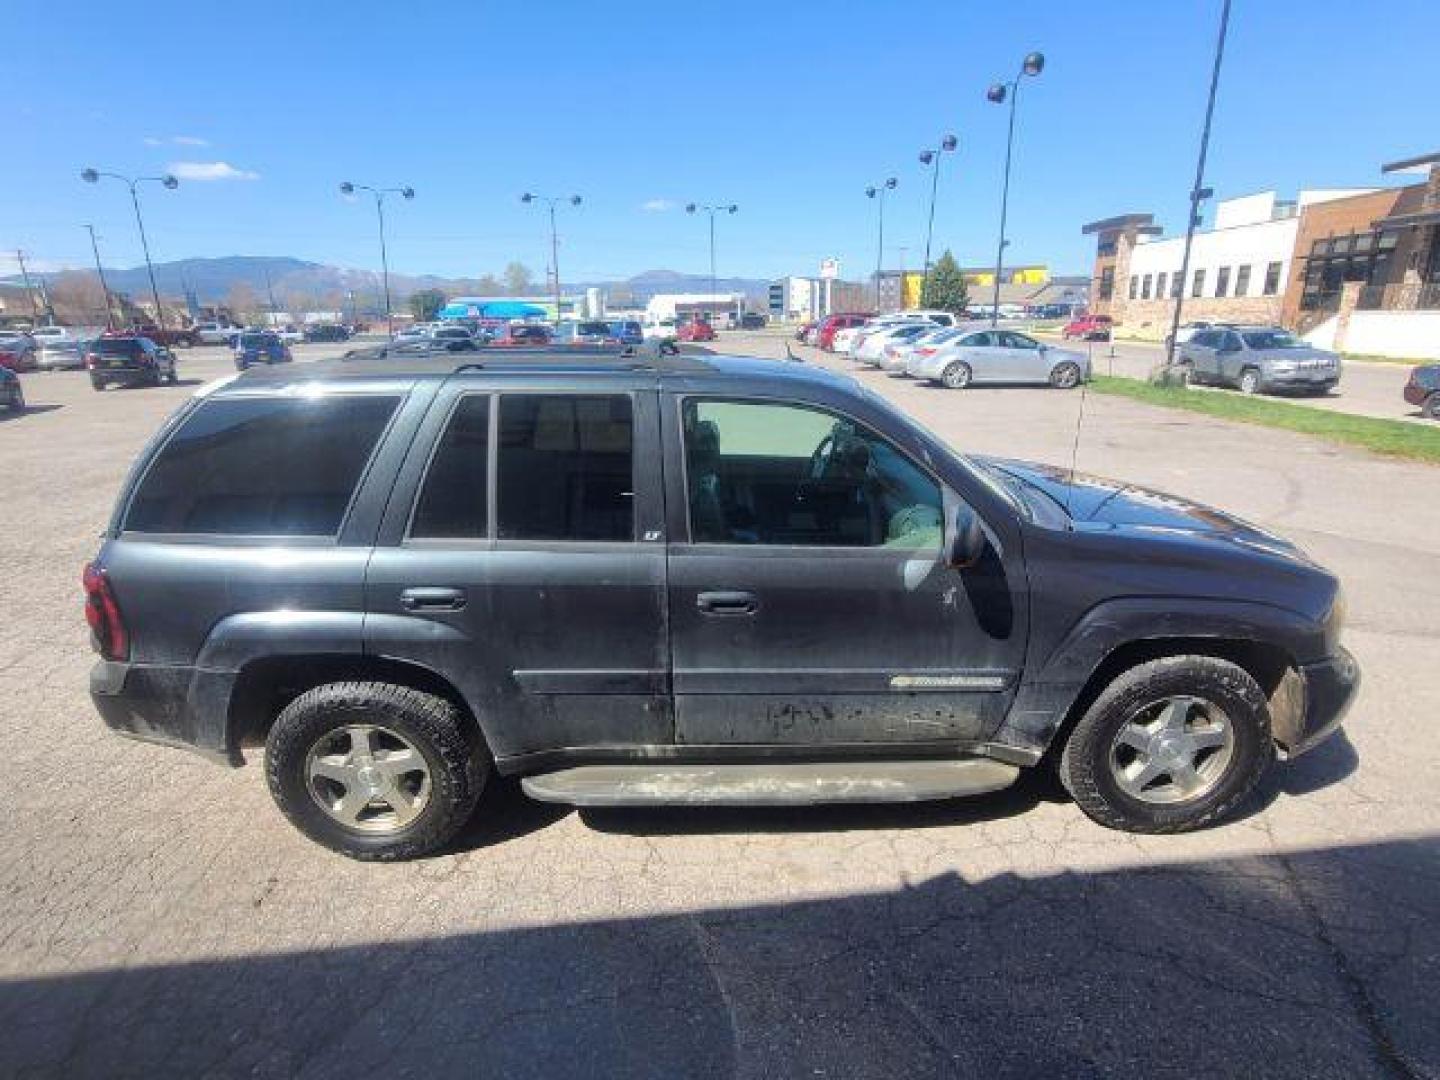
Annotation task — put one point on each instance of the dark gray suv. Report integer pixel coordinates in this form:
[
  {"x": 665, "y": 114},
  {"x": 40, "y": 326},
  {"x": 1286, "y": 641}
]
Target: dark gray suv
[{"x": 705, "y": 580}]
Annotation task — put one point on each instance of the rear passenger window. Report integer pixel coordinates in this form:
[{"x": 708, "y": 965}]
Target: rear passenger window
[
  {"x": 565, "y": 467},
  {"x": 261, "y": 467},
  {"x": 452, "y": 502}
]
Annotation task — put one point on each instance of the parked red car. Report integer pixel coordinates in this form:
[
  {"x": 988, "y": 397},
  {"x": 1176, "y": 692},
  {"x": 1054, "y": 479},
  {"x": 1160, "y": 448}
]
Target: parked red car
[
  {"x": 17, "y": 351},
  {"x": 523, "y": 334},
  {"x": 832, "y": 324},
  {"x": 696, "y": 330},
  {"x": 1088, "y": 328}
]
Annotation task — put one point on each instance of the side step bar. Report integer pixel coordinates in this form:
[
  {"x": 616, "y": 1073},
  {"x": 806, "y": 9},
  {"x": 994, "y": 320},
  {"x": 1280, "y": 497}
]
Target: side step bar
[{"x": 772, "y": 784}]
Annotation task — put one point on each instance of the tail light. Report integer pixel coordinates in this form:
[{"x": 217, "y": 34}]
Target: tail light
[
  {"x": 111, "y": 638},
  {"x": 928, "y": 350},
  {"x": 92, "y": 359}
]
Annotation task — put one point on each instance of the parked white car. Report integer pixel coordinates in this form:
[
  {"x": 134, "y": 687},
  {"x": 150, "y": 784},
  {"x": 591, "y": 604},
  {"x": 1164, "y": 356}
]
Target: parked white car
[
  {"x": 849, "y": 343},
  {"x": 661, "y": 330},
  {"x": 216, "y": 333},
  {"x": 872, "y": 346},
  {"x": 895, "y": 357},
  {"x": 1000, "y": 356}
]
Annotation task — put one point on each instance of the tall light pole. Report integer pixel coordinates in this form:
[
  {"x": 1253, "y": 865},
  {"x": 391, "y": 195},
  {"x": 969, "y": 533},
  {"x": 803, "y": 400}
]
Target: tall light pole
[
  {"x": 1198, "y": 192},
  {"x": 92, "y": 176},
  {"x": 347, "y": 188},
  {"x": 877, "y": 192},
  {"x": 573, "y": 200},
  {"x": 932, "y": 159},
  {"x": 720, "y": 208},
  {"x": 1032, "y": 65},
  {"x": 104, "y": 287}
]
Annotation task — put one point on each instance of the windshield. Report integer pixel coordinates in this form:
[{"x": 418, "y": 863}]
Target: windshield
[
  {"x": 1272, "y": 339},
  {"x": 255, "y": 341},
  {"x": 593, "y": 329}
]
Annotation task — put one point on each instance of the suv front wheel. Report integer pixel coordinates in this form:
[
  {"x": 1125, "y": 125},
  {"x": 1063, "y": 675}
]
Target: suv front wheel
[
  {"x": 1171, "y": 745},
  {"x": 373, "y": 770}
]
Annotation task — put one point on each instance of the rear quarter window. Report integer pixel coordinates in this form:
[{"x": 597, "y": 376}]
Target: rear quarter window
[{"x": 261, "y": 467}]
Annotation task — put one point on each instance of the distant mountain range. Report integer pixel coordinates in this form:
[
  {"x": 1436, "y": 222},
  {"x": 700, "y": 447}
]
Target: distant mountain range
[{"x": 212, "y": 281}]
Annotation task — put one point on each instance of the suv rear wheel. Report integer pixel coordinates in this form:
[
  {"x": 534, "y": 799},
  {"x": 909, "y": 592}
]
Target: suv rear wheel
[
  {"x": 373, "y": 770},
  {"x": 1171, "y": 745}
]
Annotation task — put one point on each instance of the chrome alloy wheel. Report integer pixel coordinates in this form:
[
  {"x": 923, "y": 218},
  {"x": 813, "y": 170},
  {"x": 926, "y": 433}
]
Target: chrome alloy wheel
[
  {"x": 1172, "y": 751},
  {"x": 368, "y": 778}
]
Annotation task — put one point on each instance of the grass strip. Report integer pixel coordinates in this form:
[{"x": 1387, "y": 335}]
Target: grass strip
[{"x": 1393, "y": 438}]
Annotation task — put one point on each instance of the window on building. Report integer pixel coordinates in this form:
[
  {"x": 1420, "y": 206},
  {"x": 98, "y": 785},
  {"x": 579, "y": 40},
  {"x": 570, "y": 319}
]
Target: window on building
[
  {"x": 1134, "y": 286},
  {"x": 1222, "y": 281},
  {"x": 452, "y": 501},
  {"x": 1145, "y": 287},
  {"x": 1177, "y": 286},
  {"x": 1272, "y": 278},
  {"x": 265, "y": 466},
  {"x": 1107, "y": 283},
  {"x": 1197, "y": 287},
  {"x": 1242, "y": 281},
  {"x": 768, "y": 473},
  {"x": 1160, "y": 286},
  {"x": 565, "y": 467}
]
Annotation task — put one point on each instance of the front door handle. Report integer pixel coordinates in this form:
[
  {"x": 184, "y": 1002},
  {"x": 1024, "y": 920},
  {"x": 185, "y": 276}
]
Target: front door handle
[
  {"x": 432, "y": 599},
  {"x": 727, "y": 603}
]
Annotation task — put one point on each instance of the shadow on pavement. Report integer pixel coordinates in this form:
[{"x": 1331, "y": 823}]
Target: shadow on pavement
[
  {"x": 29, "y": 410},
  {"x": 1319, "y": 963}
]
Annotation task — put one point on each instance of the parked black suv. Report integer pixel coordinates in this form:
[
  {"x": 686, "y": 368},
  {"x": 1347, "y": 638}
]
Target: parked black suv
[
  {"x": 701, "y": 580},
  {"x": 130, "y": 360}
]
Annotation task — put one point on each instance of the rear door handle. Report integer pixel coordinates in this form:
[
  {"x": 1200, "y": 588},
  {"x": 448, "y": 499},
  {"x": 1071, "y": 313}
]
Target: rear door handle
[
  {"x": 727, "y": 603},
  {"x": 432, "y": 599}
]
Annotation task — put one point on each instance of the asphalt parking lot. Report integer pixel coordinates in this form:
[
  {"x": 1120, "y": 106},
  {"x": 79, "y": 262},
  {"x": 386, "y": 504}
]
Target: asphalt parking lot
[{"x": 160, "y": 917}]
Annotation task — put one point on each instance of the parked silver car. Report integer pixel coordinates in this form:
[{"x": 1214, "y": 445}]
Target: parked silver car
[
  {"x": 61, "y": 354},
  {"x": 1000, "y": 356},
  {"x": 1258, "y": 359},
  {"x": 895, "y": 357}
]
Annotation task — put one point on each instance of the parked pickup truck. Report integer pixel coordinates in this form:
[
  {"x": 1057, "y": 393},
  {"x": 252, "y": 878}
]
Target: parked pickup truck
[
  {"x": 170, "y": 337},
  {"x": 701, "y": 580}
]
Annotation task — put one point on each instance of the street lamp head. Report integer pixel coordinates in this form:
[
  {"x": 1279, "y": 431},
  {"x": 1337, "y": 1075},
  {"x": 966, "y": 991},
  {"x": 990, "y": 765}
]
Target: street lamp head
[
  {"x": 732, "y": 208},
  {"x": 1034, "y": 64},
  {"x": 574, "y": 200},
  {"x": 870, "y": 192},
  {"x": 90, "y": 176},
  {"x": 407, "y": 192},
  {"x": 996, "y": 93},
  {"x": 890, "y": 183},
  {"x": 950, "y": 142},
  {"x": 527, "y": 198},
  {"x": 689, "y": 208},
  {"x": 927, "y": 156},
  {"x": 170, "y": 181},
  {"x": 347, "y": 188}
]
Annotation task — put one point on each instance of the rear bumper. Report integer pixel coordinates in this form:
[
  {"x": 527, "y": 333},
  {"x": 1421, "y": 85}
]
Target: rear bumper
[
  {"x": 182, "y": 707},
  {"x": 124, "y": 375},
  {"x": 1327, "y": 689}
]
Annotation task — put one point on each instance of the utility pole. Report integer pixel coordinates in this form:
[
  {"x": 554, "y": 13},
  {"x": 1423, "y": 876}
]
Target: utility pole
[
  {"x": 25, "y": 276},
  {"x": 100, "y": 270}
]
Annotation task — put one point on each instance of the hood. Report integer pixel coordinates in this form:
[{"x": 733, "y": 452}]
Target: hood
[{"x": 1096, "y": 501}]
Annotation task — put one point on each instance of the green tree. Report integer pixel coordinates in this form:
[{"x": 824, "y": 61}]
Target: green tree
[
  {"x": 426, "y": 304},
  {"x": 518, "y": 279},
  {"x": 946, "y": 290}
]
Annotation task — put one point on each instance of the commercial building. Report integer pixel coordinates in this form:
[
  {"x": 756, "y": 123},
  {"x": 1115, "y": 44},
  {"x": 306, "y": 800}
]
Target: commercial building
[
  {"x": 1030, "y": 287},
  {"x": 719, "y": 309},
  {"x": 799, "y": 299},
  {"x": 1356, "y": 269}
]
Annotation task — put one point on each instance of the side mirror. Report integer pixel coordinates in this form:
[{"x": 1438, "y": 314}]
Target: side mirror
[{"x": 967, "y": 544}]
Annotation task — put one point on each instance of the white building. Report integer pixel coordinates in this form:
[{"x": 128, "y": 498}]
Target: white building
[
  {"x": 1243, "y": 260},
  {"x": 718, "y": 308}
]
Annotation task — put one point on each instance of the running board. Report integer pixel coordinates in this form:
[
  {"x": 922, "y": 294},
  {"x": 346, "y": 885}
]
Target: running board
[{"x": 779, "y": 783}]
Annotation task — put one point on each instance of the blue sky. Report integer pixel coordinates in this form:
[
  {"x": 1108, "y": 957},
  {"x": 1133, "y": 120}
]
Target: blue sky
[{"x": 788, "y": 109}]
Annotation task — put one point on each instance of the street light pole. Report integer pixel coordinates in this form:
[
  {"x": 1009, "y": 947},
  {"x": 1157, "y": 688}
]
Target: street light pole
[
  {"x": 104, "y": 286},
  {"x": 92, "y": 176},
  {"x": 932, "y": 157},
  {"x": 722, "y": 208},
  {"x": 573, "y": 200},
  {"x": 877, "y": 191},
  {"x": 347, "y": 188},
  {"x": 1198, "y": 192},
  {"x": 1032, "y": 65}
]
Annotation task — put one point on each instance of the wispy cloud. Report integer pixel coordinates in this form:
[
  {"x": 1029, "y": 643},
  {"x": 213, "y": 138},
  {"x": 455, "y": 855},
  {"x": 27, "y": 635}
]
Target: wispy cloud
[
  {"x": 657, "y": 206},
  {"x": 210, "y": 170},
  {"x": 175, "y": 140}
]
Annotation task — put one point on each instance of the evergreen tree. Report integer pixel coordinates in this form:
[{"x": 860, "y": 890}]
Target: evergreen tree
[{"x": 946, "y": 290}]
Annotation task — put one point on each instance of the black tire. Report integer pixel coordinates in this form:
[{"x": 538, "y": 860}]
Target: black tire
[
  {"x": 458, "y": 766},
  {"x": 1431, "y": 408},
  {"x": 172, "y": 376},
  {"x": 1249, "y": 382},
  {"x": 1066, "y": 375},
  {"x": 956, "y": 376},
  {"x": 1085, "y": 763},
  {"x": 98, "y": 384},
  {"x": 17, "y": 403}
]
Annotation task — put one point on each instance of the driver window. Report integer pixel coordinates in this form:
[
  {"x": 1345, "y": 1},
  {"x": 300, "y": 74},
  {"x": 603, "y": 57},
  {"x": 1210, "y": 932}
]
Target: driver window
[
  {"x": 766, "y": 473},
  {"x": 1018, "y": 341}
]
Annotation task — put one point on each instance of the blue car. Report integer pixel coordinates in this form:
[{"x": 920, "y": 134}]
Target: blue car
[
  {"x": 628, "y": 331},
  {"x": 260, "y": 347}
]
